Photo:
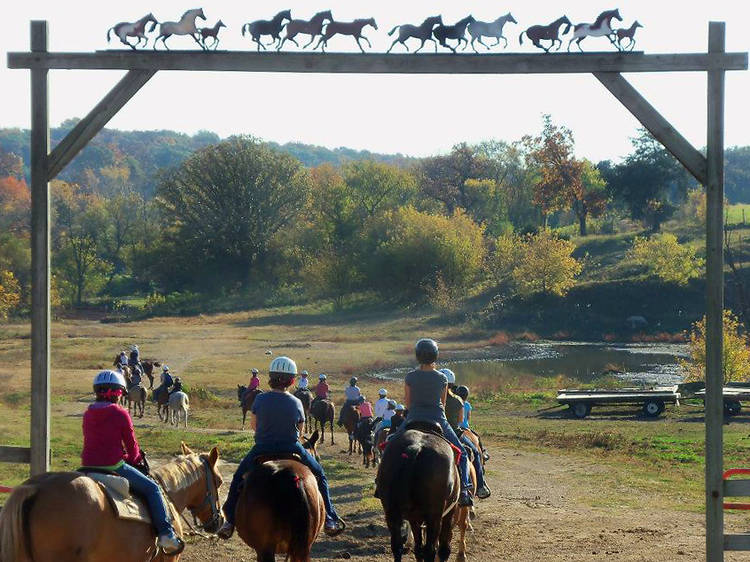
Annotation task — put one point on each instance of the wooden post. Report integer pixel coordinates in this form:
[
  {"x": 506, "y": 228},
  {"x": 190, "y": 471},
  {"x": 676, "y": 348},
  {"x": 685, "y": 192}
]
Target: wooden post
[
  {"x": 714, "y": 302},
  {"x": 40, "y": 259}
]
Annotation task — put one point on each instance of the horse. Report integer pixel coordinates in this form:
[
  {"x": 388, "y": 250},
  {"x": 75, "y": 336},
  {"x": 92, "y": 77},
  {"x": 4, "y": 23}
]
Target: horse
[
  {"x": 313, "y": 28},
  {"x": 148, "y": 370},
  {"x": 323, "y": 411},
  {"x": 213, "y": 33},
  {"x": 265, "y": 27},
  {"x": 479, "y": 29},
  {"x": 423, "y": 32},
  {"x": 350, "y": 419},
  {"x": 418, "y": 483},
  {"x": 602, "y": 27},
  {"x": 549, "y": 32},
  {"x": 305, "y": 396},
  {"x": 630, "y": 34},
  {"x": 246, "y": 400},
  {"x": 179, "y": 403},
  {"x": 66, "y": 515},
  {"x": 125, "y": 29},
  {"x": 462, "y": 518},
  {"x": 364, "y": 435},
  {"x": 353, "y": 28},
  {"x": 455, "y": 31},
  {"x": 186, "y": 26},
  {"x": 162, "y": 405},
  {"x": 280, "y": 509},
  {"x": 137, "y": 396}
]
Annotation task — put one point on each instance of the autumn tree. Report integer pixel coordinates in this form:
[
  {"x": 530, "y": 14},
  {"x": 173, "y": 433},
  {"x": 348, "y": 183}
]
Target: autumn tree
[
  {"x": 665, "y": 258},
  {"x": 375, "y": 187},
  {"x": 10, "y": 293},
  {"x": 545, "y": 264},
  {"x": 735, "y": 352},
  {"x": 15, "y": 205}
]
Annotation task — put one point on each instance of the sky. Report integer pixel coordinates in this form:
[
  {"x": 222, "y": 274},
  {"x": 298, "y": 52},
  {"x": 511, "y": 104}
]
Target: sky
[{"x": 414, "y": 115}]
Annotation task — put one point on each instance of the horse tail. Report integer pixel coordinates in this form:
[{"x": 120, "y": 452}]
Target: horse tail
[
  {"x": 567, "y": 28},
  {"x": 245, "y": 28},
  {"x": 392, "y": 31},
  {"x": 297, "y": 511},
  {"x": 14, "y": 540},
  {"x": 109, "y": 32},
  {"x": 520, "y": 37}
]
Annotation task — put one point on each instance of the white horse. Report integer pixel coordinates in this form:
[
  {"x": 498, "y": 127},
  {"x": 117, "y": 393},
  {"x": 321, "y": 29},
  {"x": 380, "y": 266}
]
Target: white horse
[
  {"x": 186, "y": 26},
  {"x": 602, "y": 27},
  {"x": 178, "y": 402}
]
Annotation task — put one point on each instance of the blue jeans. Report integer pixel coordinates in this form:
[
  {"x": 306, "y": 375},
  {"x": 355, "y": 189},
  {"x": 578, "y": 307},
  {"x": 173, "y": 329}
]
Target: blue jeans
[
  {"x": 230, "y": 505},
  {"x": 478, "y": 468},
  {"x": 143, "y": 485}
]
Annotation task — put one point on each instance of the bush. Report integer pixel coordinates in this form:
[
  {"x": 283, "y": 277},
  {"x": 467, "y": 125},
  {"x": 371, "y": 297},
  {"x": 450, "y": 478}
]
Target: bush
[
  {"x": 545, "y": 265},
  {"x": 736, "y": 355},
  {"x": 664, "y": 257}
]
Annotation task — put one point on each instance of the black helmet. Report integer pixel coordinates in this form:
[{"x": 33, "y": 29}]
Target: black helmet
[
  {"x": 427, "y": 351},
  {"x": 462, "y": 391},
  {"x": 353, "y": 381}
]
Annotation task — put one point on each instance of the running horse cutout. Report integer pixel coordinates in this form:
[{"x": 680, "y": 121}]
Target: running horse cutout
[
  {"x": 423, "y": 32},
  {"x": 213, "y": 33},
  {"x": 418, "y": 483},
  {"x": 124, "y": 29},
  {"x": 353, "y": 28},
  {"x": 186, "y": 26},
  {"x": 602, "y": 27},
  {"x": 455, "y": 31},
  {"x": 257, "y": 29},
  {"x": 551, "y": 32},
  {"x": 479, "y": 29},
  {"x": 313, "y": 28},
  {"x": 246, "y": 400},
  {"x": 628, "y": 33},
  {"x": 323, "y": 411},
  {"x": 66, "y": 515},
  {"x": 280, "y": 509}
]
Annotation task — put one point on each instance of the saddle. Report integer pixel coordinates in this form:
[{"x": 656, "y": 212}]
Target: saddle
[
  {"x": 277, "y": 457},
  {"x": 117, "y": 490},
  {"x": 426, "y": 427}
]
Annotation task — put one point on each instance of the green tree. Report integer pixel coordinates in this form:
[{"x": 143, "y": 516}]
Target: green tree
[
  {"x": 665, "y": 258},
  {"x": 375, "y": 187},
  {"x": 545, "y": 264},
  {"x": 735, "y": 352}
]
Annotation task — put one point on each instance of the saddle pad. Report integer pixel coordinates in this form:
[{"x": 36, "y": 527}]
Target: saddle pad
[{"x": 117, "y": 490}]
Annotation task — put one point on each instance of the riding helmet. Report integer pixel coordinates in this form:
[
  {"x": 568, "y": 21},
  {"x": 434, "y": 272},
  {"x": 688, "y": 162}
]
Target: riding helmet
[
  {"x": 322, "y": 376},
  {"x": 450, "y": 375},
  {"x": 463, "y": 392},
  {"x": 305, "y": 372},
  {"x": 109, "y": 379},
  {"x": 353, "y": 381},
  {"x": 392, "y": 404},
  {"x": 254, "y": 371},
  {"x": 383, "y": 392},
  {"x": 400, "y": 408},
  {"x": 283, "y": 365},
  {"x": 165, "y": 368},
  {"x": 427, "y": 351}
]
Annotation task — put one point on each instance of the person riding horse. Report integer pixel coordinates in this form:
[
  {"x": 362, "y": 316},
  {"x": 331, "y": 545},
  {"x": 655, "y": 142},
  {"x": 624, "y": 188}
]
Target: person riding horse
[
  {"x": 321, "y": 389},
  {"x": 254, "y": 385},
  {"x": 166, "y": 383},
  {"x": 352, "y": 394},
  {"x": 385, "y": 419},
  {"x": 277, "y": 418},
  {"x": 136, "y": 377},
  {"x": 425, "y": 391},
  {"x": 122, "y": 360},
  {"x": 177, "y": 386},
  {"x": 107, "y": 429},
  {"x": 463, "y": 393},
  {"x": 398, "y": 417},
  {"x": 303, "y": 382}
]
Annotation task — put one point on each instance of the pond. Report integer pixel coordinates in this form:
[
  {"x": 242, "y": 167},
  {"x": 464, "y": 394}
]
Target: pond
[{"x": 634, "y": 364}]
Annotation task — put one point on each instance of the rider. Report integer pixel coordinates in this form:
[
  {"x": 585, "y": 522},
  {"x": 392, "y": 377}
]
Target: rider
[
  {"x": 177, "y": 386},
  {"x": 398, "y": 417},
  {"x": 381, "y": 406},
  {"x": 385, "y": 420},
  {"x": 321, "y": 389},
  {"x": 425, "y": 391},
  {"x": 137, "y": 377},
  {"x": 454, "y": 411},
  {"x": 463, "y": 392},
  {"x": 277, "y": 417},
  {"x": 303, "y": 382},
  {"x": 107, "y": 430},
  {"x": 135, "y": 356},
  {"x": 352, "y": 394},
  {"x": 166, "y": 382},
  {"x": 365, "y": 408},
  {"x": 122, "y": 360}
]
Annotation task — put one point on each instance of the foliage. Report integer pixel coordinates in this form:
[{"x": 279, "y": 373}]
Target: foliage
[
  {"x": 374, "y": 187},
  {"x": 693, "y": 210},
  {"x": 15, "y": 204},
  {"x": 545, "y": 265},
  {"x": 10, "y": 293},
  {"x": 664, "y": 257},
  {"x": 735, "y": 351}
]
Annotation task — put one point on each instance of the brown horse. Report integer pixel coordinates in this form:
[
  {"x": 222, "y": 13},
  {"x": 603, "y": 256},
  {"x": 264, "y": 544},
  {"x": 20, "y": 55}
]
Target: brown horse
[
  {"x": 350, "y": 419},
  {"x": 418, "y": 483},
  {"x": 305, "y": 396},
  {"x": 462, "y": 519},
  {"x": 137, "y": 396},
  {"x": 280, "y": 509},
  {"x": 213, "y": 33},
  {"x": 455, "y": 31},
  {"x": 353, "y": 28},
  {"x": 246, "y": 400},
  {"x": 65, "y": 516},
  {"x": 628, "y": 33},
  {"x": 272, "y": 27},
  {"x": 323, "y": 411},
  {"x": 313, "y": 28},
  {"x": 162, "y": 404},
  {"x": 549, "y": 32},
  {"x": 364, "y": 436}
]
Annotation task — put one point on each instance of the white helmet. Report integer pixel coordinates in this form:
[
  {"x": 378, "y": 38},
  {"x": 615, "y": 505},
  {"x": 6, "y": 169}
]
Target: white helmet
[
  {"x": 165, "y": 368},
  {"x": 322, "y": 376},
  {"x": 254, "y": 371},
  {"x": 392, "y": 403},
  {"x": 133, "y": 348},
  {"x": 383, "y": 392},
  {"x": 305, "y": 372},
  {"x": 283, "y": 365},
  {"x": 400, "y": 408},
  {"x": 450, "y": 375},
  {"x": 108, "y": 377}
]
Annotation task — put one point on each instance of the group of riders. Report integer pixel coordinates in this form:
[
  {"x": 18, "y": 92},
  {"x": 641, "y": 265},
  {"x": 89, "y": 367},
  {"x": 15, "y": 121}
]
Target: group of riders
[
  {"x": 278, "y": 418},
  {"x": 131, "y": 364}
]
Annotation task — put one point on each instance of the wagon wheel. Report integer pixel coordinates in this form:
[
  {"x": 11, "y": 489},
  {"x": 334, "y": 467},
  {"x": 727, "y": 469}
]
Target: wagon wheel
[
  {"x": 652, "y": 408},
  {"x": 732, "y": 407},
  {"x": 580, "y": 409}
]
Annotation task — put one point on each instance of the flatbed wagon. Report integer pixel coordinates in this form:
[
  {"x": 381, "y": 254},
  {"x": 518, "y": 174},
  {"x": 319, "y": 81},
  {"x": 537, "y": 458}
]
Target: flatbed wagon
[
  {"x": 733, "y": 394},
  {"x": 652, "y": 400}
]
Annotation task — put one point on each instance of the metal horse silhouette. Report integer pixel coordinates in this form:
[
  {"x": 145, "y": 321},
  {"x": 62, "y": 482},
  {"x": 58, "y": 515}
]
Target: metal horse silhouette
[
  {"x": 353, "y": 28},
  {"x": 313, "y": 28},
  {"x": 628, "y": 33},
  {"x": 125, "y": 29},
  {"x": 479, "y": 29},
  {"x": 186, "y": 26},
  {"x": 455, "y": 31},
  {"x": 602, "y": 27},
  {"x": 423, "y": 32},
  {"x": 213, "y": 33},
  {"x": 273, "y": 27},
  {"x": 551, "y": 32}
]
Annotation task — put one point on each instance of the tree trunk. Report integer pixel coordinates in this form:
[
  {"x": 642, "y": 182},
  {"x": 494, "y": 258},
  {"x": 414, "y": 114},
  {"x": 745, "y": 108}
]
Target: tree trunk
[{"x": 582, "y": 225}]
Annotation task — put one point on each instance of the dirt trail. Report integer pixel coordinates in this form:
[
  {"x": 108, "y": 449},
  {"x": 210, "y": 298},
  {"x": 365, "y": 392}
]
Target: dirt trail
[{"x": 538, "y": 511}]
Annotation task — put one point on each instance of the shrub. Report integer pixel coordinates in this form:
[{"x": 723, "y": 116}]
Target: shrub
[
  {"x": 545, "y": 265},
  {"x": 665, "y": 258},
  {"x": 736, "y": 355}
]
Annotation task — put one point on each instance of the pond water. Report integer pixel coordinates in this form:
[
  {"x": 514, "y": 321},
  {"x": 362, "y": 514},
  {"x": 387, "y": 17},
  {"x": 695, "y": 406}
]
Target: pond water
[{"x": 636, "y": 364}]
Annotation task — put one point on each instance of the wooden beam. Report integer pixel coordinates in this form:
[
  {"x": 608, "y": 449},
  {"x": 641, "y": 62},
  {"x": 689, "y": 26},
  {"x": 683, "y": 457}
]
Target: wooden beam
[
  {"x": 734, "y": 488},
  {"x": 736, "y": 542},
  {"x": 715, "y": 540},
  {"x": 20, "y": 455},
  {"x": 376, "y": 63},
  {"x": 97, "y": 118},
  {"x": 40, "y": 259},
  {"x": 659, "y": 127}
]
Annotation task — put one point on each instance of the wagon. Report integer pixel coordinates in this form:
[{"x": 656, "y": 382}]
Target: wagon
[
  {"x": 733, "y": 394},
  {"x": 652, "y": 400}
]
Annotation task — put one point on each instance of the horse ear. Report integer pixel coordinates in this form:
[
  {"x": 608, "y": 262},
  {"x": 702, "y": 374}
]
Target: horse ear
[
  {"x": 185, "y": 449},
  {"x": 314, "y": 438},
  {"x": 213, "y": 456}
]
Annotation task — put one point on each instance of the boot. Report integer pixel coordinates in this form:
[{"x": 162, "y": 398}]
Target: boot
[
  {"x": 226, "y": 530},
  {"x": 170, "y": 543}
]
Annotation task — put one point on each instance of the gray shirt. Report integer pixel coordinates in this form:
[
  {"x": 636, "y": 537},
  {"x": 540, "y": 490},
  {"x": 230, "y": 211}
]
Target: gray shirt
[
  {"x": 426, "y": 392},
  {"x": 278, "y": 414}
]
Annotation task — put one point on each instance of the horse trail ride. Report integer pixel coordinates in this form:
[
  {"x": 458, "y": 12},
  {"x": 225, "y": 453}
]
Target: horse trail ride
[{"x": 323, "y": 27}]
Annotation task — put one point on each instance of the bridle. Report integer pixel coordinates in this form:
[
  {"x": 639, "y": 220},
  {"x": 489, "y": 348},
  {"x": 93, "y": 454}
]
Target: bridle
[{"x": 211, "y": 498}]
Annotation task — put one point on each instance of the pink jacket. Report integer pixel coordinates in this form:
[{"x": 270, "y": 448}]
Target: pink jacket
[
  {"x": 108, "y": 436},
  {"x": 365, "y": 410},
  {"x": 254, "y": 383}
]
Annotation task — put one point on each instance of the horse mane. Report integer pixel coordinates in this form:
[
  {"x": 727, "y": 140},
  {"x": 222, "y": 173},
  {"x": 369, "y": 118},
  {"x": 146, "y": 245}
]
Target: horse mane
[
  {"x": 601, "y": 17},
  {"x": 181, "y": 473}
]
